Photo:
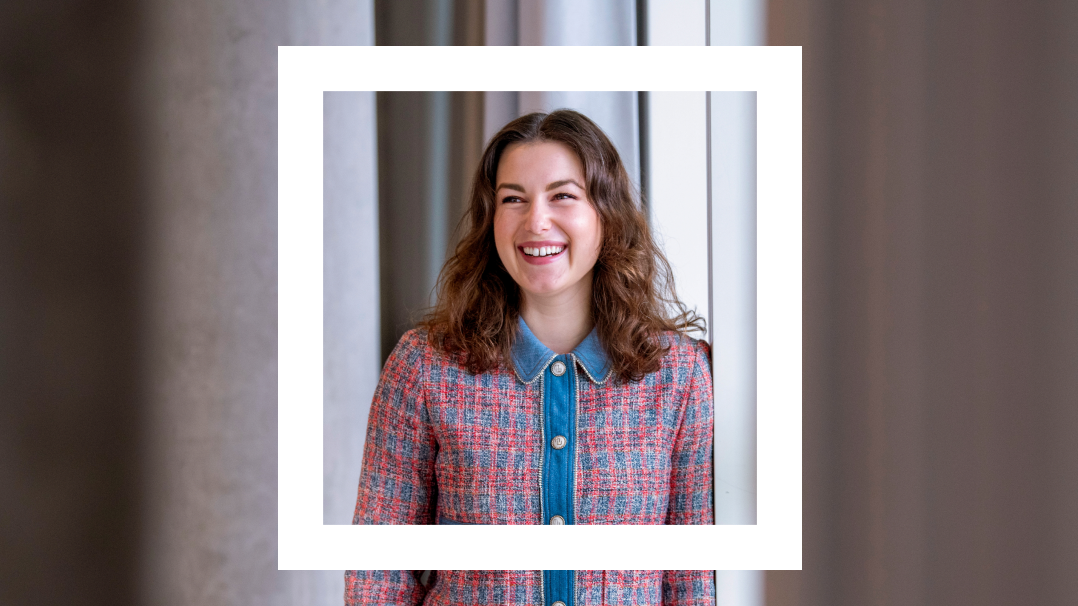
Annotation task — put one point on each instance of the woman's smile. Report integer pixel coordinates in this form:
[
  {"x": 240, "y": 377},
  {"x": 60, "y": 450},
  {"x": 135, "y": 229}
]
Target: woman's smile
[{"x": 542, "y": 253}]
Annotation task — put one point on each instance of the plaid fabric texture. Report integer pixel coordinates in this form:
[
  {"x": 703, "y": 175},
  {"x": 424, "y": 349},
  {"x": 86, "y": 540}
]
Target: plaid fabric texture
[
  {"x": 511, "y": 587},
  {"x": 444, "y": 444}
]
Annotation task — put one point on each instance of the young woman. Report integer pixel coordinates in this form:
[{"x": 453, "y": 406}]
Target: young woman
[{"x": 551, "y": 384}]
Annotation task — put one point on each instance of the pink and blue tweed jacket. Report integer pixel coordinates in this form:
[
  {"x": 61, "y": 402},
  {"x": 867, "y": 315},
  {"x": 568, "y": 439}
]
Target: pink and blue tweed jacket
[
  {"x": 555, "y": 439},
  {"x": 511, "y": 587}
]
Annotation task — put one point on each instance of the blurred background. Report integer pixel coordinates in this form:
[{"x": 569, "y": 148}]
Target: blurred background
[{"x": 138, "y": 285}]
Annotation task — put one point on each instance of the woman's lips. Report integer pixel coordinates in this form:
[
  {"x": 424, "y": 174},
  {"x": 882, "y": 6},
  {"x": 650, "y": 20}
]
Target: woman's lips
[{"x": 544, "y": 260}]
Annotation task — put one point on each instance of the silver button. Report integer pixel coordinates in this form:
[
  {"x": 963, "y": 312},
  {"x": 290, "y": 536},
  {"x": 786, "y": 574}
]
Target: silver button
[
  {"x": 558, "y": 442},
  {"x": 558, "y": 368},
  {"x": 557, "y": 521},
  {"x": 558, "y": 603}
]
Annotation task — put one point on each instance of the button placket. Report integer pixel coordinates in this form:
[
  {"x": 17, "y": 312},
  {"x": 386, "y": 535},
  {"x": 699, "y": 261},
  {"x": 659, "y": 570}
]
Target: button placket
[
  {"x": 559, "y": 395},
  {"x": 559, "y": 413},
  {"x": 560, "y": 584}
]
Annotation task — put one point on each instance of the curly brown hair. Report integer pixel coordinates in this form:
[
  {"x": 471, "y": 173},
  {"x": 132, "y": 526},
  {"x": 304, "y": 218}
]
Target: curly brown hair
[{"x": 633, "y": 297}]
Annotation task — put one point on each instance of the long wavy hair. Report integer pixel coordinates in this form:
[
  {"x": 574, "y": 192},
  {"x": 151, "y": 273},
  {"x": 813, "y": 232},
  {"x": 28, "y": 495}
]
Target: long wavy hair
[{"x": 633, "y": 296}]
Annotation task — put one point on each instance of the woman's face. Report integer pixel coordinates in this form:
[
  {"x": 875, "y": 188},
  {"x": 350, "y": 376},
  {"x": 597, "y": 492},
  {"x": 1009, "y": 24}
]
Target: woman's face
[{"x": 546, "y": 230}]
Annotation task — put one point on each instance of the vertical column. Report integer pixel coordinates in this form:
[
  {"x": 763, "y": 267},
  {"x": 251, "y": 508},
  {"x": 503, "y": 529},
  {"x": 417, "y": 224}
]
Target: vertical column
[
  {"x": 677, "y": 158},
  {"x": 211, "y": 265},
  {"x": 939, "y": 296},
  {"x": 351, "y": 354},
  {"x": 733, "y": 302},
  {"x": 73, "y": 174}
]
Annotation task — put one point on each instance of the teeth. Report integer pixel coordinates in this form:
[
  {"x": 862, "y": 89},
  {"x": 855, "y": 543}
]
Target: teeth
[{"x": 543, "y": 251}]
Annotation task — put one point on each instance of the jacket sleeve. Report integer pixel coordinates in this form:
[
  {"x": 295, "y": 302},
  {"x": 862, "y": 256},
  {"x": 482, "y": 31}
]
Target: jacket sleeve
[
  {"x": 691, "y": 470},
  {"x": 396, "y": 481},
  {"x": 382, "y": 587},
  {"x": 688, "y": 588},
  {"x": 691, "y": 496}
]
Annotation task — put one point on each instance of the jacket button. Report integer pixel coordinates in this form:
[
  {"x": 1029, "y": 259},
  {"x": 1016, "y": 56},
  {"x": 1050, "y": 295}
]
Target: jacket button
[
  {"x": 558, "y": 442},
  {"x": 557, "y": 521},
  {"x": 558, "y": 368}
]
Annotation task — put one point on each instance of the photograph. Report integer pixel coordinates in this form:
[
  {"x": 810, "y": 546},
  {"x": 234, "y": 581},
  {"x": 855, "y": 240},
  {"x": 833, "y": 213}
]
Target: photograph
[
  {"x": 546, "y": 301},
  {"x": 506, "y": 270}
]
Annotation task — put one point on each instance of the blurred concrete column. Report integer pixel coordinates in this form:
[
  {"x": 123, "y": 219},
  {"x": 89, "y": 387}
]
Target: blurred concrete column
[
  {"x": 73, "y": 173},
  {"x": 210, "y": 443},
  {"x": 940, "y": 333}
]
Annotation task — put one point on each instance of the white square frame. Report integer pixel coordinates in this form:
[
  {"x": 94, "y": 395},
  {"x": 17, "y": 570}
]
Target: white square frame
[{"x": 304, "y": 73}]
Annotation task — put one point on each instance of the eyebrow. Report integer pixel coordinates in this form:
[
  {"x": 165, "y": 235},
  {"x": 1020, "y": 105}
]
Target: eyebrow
[{"x": 554, "y": 185}]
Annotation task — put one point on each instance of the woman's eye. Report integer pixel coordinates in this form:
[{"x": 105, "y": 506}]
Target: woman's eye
[
  {"x": 564, "y": 197},
  {"x": 508, "y": 199}
]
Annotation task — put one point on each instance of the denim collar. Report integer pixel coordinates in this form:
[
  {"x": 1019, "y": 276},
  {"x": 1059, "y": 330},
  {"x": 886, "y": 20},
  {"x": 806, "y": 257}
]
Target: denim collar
[{"x": 530, "y": 356}]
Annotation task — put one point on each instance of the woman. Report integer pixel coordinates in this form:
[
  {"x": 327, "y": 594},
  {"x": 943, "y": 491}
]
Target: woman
[{"x": 550, "y": 384}]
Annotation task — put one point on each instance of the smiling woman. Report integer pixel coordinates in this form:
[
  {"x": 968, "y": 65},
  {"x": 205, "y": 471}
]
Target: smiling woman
[
  {"x": 553, "y": 383},
  {"x": 547, "y": 234}
]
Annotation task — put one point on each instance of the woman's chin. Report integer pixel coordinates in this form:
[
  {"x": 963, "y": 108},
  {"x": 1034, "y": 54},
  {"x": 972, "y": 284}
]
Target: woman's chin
[
  {"x": 549, "y": 290},
  {"x": 541, "y": 292}
]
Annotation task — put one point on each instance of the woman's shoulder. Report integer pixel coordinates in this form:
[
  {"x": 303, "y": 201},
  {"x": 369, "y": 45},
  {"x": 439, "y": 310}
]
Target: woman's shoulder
[
  {"x": 683, "y": 350},
  {"x": 416, "y": 347},
  {"x": 412, "y": 349},
  {"x": 416, "y": 338}
]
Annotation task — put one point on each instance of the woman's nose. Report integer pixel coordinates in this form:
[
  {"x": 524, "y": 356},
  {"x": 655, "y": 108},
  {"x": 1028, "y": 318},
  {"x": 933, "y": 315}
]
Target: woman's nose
[{"x": 538, "y": 219}]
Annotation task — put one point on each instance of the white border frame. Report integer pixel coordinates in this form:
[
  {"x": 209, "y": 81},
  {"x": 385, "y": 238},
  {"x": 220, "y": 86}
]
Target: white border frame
[{"x": 304, "y": 542}]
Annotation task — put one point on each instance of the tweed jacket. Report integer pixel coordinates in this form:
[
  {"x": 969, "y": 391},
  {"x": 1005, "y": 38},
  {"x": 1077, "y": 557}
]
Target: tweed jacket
[
  {"x": 512, "y": 587},
  {"x": 547, "y": 439}
]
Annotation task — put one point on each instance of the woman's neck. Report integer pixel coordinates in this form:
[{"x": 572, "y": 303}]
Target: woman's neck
[{"x": 560, "y": 323}]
